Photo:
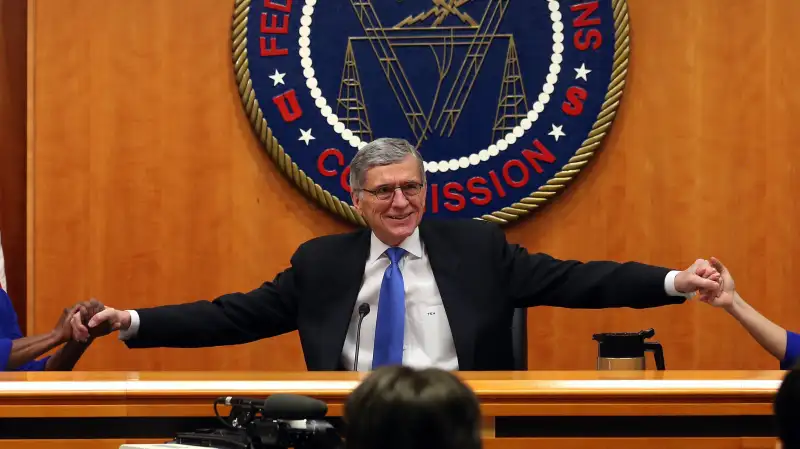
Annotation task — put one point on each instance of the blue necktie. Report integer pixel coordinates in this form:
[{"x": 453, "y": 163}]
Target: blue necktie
[{"x": 391, "y": 320}]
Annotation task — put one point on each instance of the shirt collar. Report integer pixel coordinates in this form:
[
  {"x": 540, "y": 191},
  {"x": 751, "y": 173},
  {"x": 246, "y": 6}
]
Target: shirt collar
[{"x": 412, "y": 244}]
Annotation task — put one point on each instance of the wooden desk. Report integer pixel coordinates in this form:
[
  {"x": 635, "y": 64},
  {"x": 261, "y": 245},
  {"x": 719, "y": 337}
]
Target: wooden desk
[{"x": 553, "y": 409}]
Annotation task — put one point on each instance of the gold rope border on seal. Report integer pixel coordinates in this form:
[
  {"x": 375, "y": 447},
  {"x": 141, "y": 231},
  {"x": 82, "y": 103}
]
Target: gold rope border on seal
[{"x": 546, "y": 192}]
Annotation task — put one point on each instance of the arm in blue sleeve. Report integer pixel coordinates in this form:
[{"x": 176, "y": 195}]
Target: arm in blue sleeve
[
  {"x": 9, "y": 326},
  {"x": 10, "y": 332},
  {"x": 36, "y": 365},
  {"x": 5, "y": 352},
  {"x": 6, "y": 345},
  {"x": 792, "y": 350},
  {"x": 20, "y": 352}
]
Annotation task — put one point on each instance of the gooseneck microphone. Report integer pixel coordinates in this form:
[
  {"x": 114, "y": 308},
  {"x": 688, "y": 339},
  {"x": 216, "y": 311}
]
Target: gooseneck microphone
[{"x": 363, "y": 310}]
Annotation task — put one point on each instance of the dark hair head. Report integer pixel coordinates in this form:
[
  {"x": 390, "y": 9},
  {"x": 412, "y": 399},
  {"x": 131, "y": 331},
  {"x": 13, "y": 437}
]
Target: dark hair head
[
  {"x": 787, "y": 409},
  {"x": 401, "y": 408}
]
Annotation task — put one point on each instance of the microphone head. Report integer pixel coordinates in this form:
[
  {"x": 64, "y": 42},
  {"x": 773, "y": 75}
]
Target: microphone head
[
  {"x": 363, "y": 309},
  {"x": 293, "y": 407}
]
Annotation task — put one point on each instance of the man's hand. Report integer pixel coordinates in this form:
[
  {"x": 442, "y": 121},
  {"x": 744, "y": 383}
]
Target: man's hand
[
  {"x": 103, "y": 323},
  {"x": 90, "y": 309},
  {"x": 700, "y": 276},
  {"x": 724, "y": 296}
]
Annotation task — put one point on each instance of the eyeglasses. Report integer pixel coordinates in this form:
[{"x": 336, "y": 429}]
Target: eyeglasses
[{"x": 384, "y": 193}]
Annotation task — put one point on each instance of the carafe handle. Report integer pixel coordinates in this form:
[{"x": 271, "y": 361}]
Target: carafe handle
[{"x": 658, "y": 353}]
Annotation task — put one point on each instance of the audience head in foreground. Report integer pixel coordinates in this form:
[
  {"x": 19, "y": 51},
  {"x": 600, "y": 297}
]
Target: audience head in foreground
[
  {"x": 787, "y": 409},
  {"x": 398, "y": 407}
]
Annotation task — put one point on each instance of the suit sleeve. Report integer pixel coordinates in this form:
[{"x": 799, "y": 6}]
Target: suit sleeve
[
  {"x": 541, "y": 280},
  {"x": 231, "y": 319}
]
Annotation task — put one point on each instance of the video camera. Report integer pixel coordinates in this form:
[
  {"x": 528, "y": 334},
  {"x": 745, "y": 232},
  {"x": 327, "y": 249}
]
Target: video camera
[{"x": 281, "y": 421}]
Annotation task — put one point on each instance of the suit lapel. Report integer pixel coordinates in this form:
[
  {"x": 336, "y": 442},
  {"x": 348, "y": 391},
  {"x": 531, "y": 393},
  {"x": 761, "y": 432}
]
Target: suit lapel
[
  {"x": 445, "y": 259},
  {"x": 349, "y": 271}
]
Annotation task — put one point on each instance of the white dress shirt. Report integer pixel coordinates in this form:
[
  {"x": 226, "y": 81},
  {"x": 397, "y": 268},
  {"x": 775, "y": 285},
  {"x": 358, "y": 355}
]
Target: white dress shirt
[{"x": 428, "y": 341}]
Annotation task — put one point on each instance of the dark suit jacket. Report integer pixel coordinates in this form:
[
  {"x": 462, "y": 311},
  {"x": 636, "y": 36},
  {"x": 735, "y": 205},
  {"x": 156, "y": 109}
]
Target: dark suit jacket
[{"x": 480, "y": 276}]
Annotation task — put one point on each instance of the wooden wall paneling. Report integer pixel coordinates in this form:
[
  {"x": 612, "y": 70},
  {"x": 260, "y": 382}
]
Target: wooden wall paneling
[
  {"x": 696, "y": 165},
  {"x": 13, "y": 57},
  {"x": 150, "y": 187},
  {"x": 145, "y": 159}
]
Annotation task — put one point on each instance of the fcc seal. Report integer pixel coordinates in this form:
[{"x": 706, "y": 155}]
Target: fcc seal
[{"x": 506, "y": 99}]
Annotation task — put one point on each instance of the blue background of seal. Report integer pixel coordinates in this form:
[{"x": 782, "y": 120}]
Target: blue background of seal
[{"x": 334, "y": 21}]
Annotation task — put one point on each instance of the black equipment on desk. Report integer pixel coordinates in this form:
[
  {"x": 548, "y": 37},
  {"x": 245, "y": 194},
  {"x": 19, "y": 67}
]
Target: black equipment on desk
[{"x": 281, "y": 421}]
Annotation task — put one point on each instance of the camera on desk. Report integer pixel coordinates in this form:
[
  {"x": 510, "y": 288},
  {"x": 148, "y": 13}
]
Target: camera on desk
[{"x": 281, "y": 421}]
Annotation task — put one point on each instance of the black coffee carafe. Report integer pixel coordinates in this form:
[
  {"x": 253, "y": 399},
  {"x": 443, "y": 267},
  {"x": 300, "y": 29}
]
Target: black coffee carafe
[{"x": 625, "y": 351}]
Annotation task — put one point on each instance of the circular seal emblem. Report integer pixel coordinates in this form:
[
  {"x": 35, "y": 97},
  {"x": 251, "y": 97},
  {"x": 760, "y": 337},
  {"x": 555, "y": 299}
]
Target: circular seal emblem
[{"x": 505, "y": 100}]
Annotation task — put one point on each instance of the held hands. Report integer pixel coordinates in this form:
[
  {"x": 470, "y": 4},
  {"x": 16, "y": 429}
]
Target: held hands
[
  {"x": 725, "y": 295},
  {"x": 720, "y": 293},
  {"x": 97, "y": 323},
  {"x": 63, "y": 328},
  {"x": 701, "y": 277},
  {"x": 62, "y": 332}
]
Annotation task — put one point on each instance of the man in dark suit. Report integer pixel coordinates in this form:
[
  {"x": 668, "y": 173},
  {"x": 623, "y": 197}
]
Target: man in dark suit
[{"x": 437, "y": 294}]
